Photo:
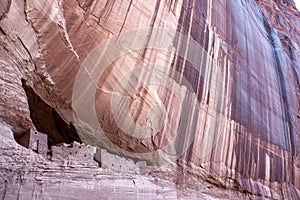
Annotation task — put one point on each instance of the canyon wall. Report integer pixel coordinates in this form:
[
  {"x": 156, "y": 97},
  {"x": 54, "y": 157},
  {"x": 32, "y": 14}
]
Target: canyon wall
[{"x": 203, "y": 91}]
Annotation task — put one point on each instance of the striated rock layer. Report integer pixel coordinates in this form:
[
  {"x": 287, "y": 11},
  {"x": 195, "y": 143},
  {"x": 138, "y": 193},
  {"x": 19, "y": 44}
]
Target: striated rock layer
[{"x": 201, "y": 90}]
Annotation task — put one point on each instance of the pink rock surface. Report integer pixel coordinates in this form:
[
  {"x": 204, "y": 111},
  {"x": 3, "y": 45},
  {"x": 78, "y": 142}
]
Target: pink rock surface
[{"x": 218, "y": 103}]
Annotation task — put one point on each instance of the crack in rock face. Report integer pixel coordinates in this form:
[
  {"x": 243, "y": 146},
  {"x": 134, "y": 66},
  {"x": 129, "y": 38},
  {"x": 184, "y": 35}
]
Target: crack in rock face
[{"x": 4, "y": 8}]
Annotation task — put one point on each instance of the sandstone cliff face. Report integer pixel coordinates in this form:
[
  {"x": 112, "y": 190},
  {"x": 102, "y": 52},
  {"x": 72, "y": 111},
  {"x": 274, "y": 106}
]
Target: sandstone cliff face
[{"x": 204, "y": 91}]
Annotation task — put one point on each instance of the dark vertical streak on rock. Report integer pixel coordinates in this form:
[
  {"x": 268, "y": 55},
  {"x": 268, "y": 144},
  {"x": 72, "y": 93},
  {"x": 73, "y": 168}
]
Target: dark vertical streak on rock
[
  {"x": 296, "y": 72},
  {"x": 177, "y": 64},
  {"x": 283, "y": 85},
  {"x": 128, "y": 9},
  {"x": 154, "y": 16},
  {"x": 188, "y": 71},
  {"x": 5, "y": 190},
  {"x": 152, "y": 22},
  {"x": 295, "y": 67},
  {"x": 276, "y": 44}
]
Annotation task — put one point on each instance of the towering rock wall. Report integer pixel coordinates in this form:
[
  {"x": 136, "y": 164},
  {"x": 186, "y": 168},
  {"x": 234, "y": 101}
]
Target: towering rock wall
[{"x": 210, "y": 87}]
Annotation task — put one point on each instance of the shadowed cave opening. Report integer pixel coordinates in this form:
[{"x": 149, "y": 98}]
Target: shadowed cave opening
[{"x": 47, "y": 120}]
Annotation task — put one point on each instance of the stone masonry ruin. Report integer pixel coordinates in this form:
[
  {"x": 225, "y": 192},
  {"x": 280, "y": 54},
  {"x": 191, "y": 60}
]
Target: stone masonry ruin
[{"x": 70, "y": 155}]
